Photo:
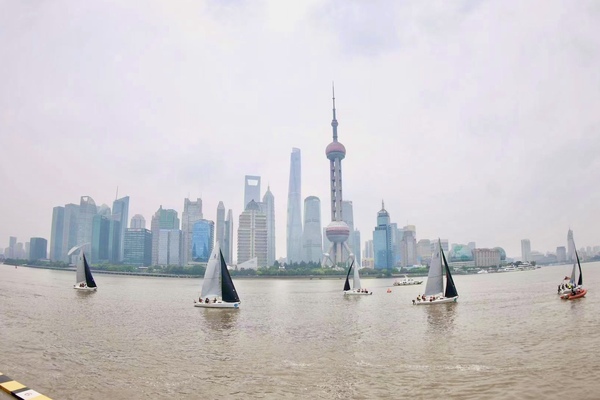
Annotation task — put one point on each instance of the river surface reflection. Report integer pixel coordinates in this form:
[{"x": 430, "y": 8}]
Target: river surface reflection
[{"x": 509, "y": 336}]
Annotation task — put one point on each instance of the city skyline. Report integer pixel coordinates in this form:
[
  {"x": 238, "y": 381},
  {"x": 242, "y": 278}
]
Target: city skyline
[{"x": 467, "y": 110}]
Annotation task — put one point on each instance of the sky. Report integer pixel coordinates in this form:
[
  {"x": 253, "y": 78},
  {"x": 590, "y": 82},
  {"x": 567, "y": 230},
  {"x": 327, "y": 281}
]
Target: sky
[{"x": 473, "y": 120}]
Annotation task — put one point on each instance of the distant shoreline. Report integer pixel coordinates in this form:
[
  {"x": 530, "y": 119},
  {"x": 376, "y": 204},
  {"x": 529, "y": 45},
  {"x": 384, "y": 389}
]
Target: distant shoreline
[{"x": 236, "y": 277}]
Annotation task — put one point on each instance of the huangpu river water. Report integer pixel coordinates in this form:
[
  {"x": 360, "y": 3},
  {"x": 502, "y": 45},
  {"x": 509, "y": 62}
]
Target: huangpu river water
[{"x": 508, "y": 337}]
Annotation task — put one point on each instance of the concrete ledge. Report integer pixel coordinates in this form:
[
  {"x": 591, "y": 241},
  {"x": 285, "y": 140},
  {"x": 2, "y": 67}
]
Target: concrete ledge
[{"x": 19, "y": 390}]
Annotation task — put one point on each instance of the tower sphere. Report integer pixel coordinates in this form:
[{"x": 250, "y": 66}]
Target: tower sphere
[
  {"x": 335, "y": 150},
  {"x": 337, "y": 231}
]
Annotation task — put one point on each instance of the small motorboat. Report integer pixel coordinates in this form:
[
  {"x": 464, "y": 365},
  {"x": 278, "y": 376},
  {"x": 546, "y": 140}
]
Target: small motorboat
[{"x": 407, "y": 281}]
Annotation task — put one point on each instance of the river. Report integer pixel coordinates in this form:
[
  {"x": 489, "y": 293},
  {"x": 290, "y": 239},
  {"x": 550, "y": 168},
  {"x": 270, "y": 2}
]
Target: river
[{"x": 508, "y": 337}]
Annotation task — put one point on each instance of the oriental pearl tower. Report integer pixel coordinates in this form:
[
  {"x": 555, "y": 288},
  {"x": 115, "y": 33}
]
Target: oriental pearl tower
[{"x": 337, "y": 231}]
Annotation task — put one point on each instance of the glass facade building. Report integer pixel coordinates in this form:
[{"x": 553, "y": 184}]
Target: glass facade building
[
  {"x": 137, "y": 247},
  {"x": 203, "y": 234}
]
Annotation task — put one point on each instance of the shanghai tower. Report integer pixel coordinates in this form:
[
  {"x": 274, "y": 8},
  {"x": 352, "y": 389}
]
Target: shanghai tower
[
  {"x": 294, "y": 213},
  {"x": 337, "y": 231}
]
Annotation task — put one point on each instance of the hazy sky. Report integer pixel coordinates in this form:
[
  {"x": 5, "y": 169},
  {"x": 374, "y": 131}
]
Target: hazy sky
[{"x": 473, "y": 120}]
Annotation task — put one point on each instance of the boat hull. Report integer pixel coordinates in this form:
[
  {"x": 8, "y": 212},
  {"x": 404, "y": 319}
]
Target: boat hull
[
  {"x": 436, "y": 301},
  {"x": 218, "y": 304},
  {"x": 578, "y": 295},
  {"x": 353, "y": 293},
  {"x": 407, "y": 283},
  {"x": 85, "y": 288}
]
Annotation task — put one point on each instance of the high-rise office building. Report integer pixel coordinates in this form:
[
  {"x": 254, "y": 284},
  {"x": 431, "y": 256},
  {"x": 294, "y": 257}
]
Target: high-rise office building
[
  {"x": 251, "y": 189},
  {"x": 382, "y": 241},
  {"x": 252, "y": 235},
  {"x": 561, "y": 254},
  {"x": 169, "y": 247},
  {"x": 294, "y": 211},
  {"x": 162, "y": 219},
  {"x": 220, "y": 226},
  {"x": 268, "y": 207},
  {"x": 525, "y": 250},
  {"x": 137, "y": 247},
  {"x": 120, "y": 214},
  {"x": 70, "y": 230},
  {"x": 203, "y": 239},
  {"x": 12, "y": 247},
  {"x": 570, "y": 246},
  {"x": 192, "y": 213},
  {"x": 337, "y": 231},
  {"x": 424, "y": 251},
  {"x": 56, "y": 233},
  {"x": 138, "y": 222},
  {"x": 409, "y": 246},
  {"x": 312, "y": 250},
  {"x": 101, "y": 226},
  {"x": 87, "y": 211},
  {"x": 37, "y": 248},
  {"x": 227, "y": 248}
]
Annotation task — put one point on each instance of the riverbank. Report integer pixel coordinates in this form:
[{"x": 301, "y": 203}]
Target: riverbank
[{"x": 159, "y": 275}]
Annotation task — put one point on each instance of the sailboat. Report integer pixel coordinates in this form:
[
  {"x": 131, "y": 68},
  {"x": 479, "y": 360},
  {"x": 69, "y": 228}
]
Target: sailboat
[
  {"x": 356, "y": 288},
  {"x": 218, "y": 290},
  {"x": 571, "y": 284},
  {"x": 572, "y": 291},
  {"x": 83, "y": 277},
  {"x": 434, "y": 289}
]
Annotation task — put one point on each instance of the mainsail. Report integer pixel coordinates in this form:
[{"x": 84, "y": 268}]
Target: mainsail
[
  {"x": 435, "y": 283},
  {"x": 580, "y": 281},
  {"x": 356, "y": 282},
  {"x": 211, "y": 286},
  {"x": 80, "y": 273}
]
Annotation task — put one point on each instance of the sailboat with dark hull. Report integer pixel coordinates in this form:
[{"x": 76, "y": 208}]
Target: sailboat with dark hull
[
  {"x": 356, "y": 286},
  {"x": 83, "y": 276},
  {"x": 434, "y": 289},
  {"x": 218, "y": 290}
]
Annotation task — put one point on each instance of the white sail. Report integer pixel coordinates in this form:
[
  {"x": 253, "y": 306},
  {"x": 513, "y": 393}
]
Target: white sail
[
  {"x": 435, "y": 278},
  {"x": 356, "y": 282},
  {"x": 211, "y": 287},
  {"x": 80, "y": 274}
]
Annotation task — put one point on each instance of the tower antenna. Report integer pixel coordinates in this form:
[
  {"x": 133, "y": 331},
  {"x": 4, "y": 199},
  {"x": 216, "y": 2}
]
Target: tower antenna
[{"x": 117, "y": 195}]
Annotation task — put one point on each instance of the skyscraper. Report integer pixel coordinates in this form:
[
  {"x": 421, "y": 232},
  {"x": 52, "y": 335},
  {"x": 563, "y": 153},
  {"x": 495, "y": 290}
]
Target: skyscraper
[
  {"x": 337, "y": 231},
  {"x": 220, "y": 228},
  {"x": 348, "y": 218},
  {"x": 70, "y": 229},
  {"x": 169, "y": 247},
  {"x": 12, "y": 247},
  {"x": 192, "y": 212},
  {"x": 252, "y": 235},
  {"x": 409, "y": 246},
  {"x": 382, "y": 241},
  {"x": 138, "y": 222},
  {"x": 37, "y": 248},
  {"x": 56, "y": 233},
  {"x": 101, "y": 226},
  {"x": 570, "y": 246},
  {"x": 294, "y": 215},
  {"x": 203, "y": 239},
  {"x": 87, "y": 211},
  {"x": 251, "y": 189},
  {"x": 525, "y": 250},
  {"x": 269, "y": 209},
  {"x": 137, "y": 247},
  {"x": 312, "y": 240},
  {"x": 162, "y": 219},
  {"x": 120, "y": 214},
  {"x": 227, "y": 248}
]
